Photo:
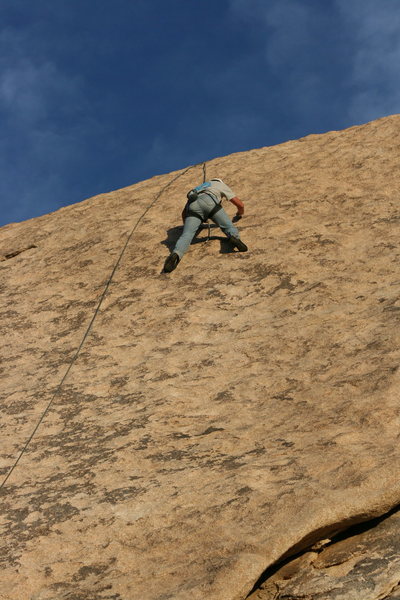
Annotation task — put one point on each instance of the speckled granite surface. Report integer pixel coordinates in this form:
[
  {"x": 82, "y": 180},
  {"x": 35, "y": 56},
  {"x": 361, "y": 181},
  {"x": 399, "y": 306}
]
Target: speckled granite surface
[{"x": 212, "y": 419}]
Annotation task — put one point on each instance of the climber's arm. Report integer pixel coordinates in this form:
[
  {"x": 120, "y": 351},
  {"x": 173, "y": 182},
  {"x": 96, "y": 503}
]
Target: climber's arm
[{"x": 239, "y": 205}]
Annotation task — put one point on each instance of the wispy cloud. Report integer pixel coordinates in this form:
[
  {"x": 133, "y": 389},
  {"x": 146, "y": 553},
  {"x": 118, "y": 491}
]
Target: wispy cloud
[
  {"x": 93, "y": 101},
  {"x": 29, "y": 92},
  {"x": 341, "y": 56},
  {"x": 302, "y": 60},
  {"x": 281, "y": 33},
  {"x": 376, "y": 57},
  {"x": 30, "y": 89},
  {"x": 287, "y": 26},
  {"x": 39, "y": 139}
]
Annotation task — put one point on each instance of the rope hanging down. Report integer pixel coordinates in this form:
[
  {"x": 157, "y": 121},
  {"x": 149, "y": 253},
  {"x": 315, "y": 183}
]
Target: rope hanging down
[
  {"x": 208, "y": 221},
  {"x": 89, "y": 327}
]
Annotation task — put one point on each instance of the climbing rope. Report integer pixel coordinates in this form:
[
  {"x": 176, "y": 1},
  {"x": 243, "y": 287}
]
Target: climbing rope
[
  {"x": 89, "y": 327},
  {"x": 207, "y": 222}
]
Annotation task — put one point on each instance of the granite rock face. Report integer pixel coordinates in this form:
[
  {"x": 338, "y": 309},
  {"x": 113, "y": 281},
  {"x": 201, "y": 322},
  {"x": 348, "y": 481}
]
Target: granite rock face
[
  {"x": 173, "y": 436},
  {"x": 363, "y": 566}
]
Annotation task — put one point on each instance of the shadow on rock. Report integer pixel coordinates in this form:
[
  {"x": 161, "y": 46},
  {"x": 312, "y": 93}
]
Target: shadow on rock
[{"x": 200, "y": 237}]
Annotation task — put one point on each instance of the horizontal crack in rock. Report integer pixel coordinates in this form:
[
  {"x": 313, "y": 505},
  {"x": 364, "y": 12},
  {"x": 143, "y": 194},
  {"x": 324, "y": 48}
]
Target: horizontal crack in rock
[
  {"x": 16, "y": 252},
  {"x": 299, "y": 557}
]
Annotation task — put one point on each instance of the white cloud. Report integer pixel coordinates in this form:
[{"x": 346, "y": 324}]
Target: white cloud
[
  {"x": 25, "y": 89},
  {"x": 289, "y": 24},
  {"x": 375, "y": 27},
  {"x": 286, "y": 22},
  {"x": 286, "y": 33},
  {"x": 41, "y": 111},
  {"x": 362, "y": 70},
  {"x": 31, "y": 89}
]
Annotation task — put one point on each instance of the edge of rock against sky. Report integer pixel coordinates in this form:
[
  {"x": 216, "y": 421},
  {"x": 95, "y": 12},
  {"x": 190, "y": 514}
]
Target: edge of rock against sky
[{"x": 212, "y": 422}]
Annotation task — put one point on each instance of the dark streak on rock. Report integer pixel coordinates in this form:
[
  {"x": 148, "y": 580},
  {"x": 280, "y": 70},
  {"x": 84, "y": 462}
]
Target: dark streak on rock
[
  {"x": 121, "y": 494},
  {"x": 17, "y": 252},
  {"x": 211, "y": 430}
]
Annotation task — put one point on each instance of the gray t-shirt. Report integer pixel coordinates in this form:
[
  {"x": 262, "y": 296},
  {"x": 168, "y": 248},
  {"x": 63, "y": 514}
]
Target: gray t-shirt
[{"x": 219, "y": 189}]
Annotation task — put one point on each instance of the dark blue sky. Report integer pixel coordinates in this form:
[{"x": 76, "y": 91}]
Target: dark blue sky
[{"x": 99, "y": 94}]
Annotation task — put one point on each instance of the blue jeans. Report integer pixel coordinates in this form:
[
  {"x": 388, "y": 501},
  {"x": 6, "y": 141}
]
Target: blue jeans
[{"x": 203, "y": 206}]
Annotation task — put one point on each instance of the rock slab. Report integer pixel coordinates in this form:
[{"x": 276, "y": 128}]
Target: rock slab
[
  {"x": 362, "y": 566},
  {"x": 171, "y": 437}
]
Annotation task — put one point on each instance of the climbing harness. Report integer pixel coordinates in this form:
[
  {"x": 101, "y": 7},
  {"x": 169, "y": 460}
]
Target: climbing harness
[
  {"x": 193, "y": 195},
  {"x": 192, "y": 213}
]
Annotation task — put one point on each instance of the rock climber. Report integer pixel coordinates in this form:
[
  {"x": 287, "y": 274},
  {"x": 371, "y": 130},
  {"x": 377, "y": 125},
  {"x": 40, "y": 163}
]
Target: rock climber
[{"x": 204, "y": 202}]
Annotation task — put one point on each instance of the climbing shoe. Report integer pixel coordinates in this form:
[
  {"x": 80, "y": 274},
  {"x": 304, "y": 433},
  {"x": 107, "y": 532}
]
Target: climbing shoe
[
  {"x": 171, "y": 263},
  {"x": 237, "y": 243}
]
